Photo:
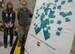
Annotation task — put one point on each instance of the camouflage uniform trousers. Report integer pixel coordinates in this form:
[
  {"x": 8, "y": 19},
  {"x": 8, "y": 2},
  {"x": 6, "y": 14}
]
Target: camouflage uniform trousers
[{"x": 22, "y": 33}]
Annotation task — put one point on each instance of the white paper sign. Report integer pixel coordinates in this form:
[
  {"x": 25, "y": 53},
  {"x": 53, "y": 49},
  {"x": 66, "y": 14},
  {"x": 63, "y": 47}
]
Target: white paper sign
[{"x": 52, "y": 27}]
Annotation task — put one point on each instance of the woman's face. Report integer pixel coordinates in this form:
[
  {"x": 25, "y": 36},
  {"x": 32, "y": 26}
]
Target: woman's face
[{"x": 9, "y": 6}]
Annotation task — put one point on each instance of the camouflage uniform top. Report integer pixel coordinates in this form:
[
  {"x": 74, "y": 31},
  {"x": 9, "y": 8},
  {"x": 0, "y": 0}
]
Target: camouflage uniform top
[{"x": 24, "y": 17}]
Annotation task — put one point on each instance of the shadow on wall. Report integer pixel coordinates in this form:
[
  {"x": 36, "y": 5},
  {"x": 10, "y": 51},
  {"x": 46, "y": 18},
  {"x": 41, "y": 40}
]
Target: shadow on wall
[{"x": 73, "y": 46}]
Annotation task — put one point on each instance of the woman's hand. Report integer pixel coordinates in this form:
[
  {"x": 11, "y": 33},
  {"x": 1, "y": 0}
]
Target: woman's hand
[
  {"x": 6, "y": 25},
  {"x": 11, "y": 25}
]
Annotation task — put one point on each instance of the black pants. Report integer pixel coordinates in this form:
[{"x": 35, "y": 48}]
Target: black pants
[
  {"x": 6, "y": 36},
  {"x": 23, "y": 44}
]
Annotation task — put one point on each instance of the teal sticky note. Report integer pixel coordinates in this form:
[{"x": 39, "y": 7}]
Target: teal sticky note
[
  {"x": 63, "y": 14},
  {"x": 59, "y": 22},
  {"x": 48, "y": 5},
  {"x": 43, "y": 3},
  {"x": 56, "y": 1},
  {"x": 36, "y": 17},
  {"x": 43, "y": 7},
  {"x": 49, "y": 28},
  {"x": 54, "y": 7},
  {"x": 51, "y": 14},
  {"x": 58, "y": 33},
  {"x": 59, "y": 7},
  {"x": 69, "y": 13},
  {"x": 67, "y": 20},
  {"x": 46, "y": 11},
  {"x": 42, "y": 16},
  {"x": 51, "y": 21},
  {"x": 63, "y": 2},
  {"x": 43, "y": 24},
  {"x": 40, "y": 7},
  {"x": 35, "y": 27},
  {"x": 60, "y": 29},
  {"x": 70, "y": 1},
  {"x": 34, "y": 24}
]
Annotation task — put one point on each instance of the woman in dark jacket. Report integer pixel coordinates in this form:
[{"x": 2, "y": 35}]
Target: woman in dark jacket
[{"x": 8, "y": 18}]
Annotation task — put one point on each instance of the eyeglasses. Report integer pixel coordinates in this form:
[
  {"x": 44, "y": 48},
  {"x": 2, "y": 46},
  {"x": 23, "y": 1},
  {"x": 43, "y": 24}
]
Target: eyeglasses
[{"x": 24, "y": 4}]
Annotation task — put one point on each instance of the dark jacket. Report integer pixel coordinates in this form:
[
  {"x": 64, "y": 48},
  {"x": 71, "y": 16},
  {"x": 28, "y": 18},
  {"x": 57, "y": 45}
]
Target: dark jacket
[
  {"x": 24, "y": 17},
  {"x": 8, "y": 16}
]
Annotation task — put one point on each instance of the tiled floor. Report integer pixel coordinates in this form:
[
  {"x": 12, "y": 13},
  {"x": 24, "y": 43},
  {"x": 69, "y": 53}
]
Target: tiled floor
[
  {"x": 7, "y": 50},
  {"x": 2, "y": 49}
]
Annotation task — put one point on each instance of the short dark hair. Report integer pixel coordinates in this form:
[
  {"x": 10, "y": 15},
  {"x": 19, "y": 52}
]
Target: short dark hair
[{"x": 24, "y": 1}]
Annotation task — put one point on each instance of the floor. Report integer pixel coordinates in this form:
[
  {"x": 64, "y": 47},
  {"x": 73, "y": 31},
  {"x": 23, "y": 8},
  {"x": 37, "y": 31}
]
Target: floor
[
  {"x": 7, "y": 50},
  {"x": 2, "y": 49}
]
